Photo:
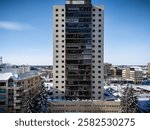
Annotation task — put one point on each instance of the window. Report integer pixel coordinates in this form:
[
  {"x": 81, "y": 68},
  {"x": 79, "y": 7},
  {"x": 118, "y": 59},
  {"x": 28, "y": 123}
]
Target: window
[
  {"x": 62, "y": 51},
  {"x": 99, "y": 77},
  {"x": 56, "y": 15},
  {"x": 99, "y": 71},
  {"x": 62, "y": 81},
  {"x": 93, "y": 40},
  {"x": 56, "y": 76},
  {"x": 99, "y": 30},
  {"x": 62, "y": 36},
  {"x": 99, "y": 66},
  {"x": 93, "y": 9},
  {"x": 99, "y": 81},
  {"x": 99, "y": 46},
  {"x": 62, "y": 9},
  {"x": 93, "y": 35},
  {"x": 93, "y": 87},
  {"x": 56, "y": 71},
  {"x": 56, "y": 56},
  {"x": 62, "y": 71},
  {"x": 99, "y": 35},
  {"x": 93, "y": 20},
  {"x": 62, "y": 66},
  {"x": 93, "y": 56},
  {"x": 99, "y": 51},
  {"x": 62, "y": 46},
  {"x": 56, "y": 30},
  {"x": 56, "y": 66},
  {"x": 62, "y": 41},
  {"x": 99, "y": 25},
  {"x": 94, "y": 15},
  {"x": 62, "y": 25},
  {"x": 99, "y": 9},
  {"x": 93, "y": 51},
  {"x": 62, "y": 15},
  {"x": 56, "y": 91},
  {"x": 63, "y": 92},
  {"x": 99, "y": 20},
  {"x": 62, "y": 61},
  {"x": 62, "y": 30},
  {"x": 93, "y": 25},
  {"x": 99, "y": 87},
  {"x": 56, "y": 25},
  {"x": 93, "y": 76},
  {"x": 62, "y": 56},
  {"x": 99, "y": 61},
  {"x": 99, "y": 14},
  {"x": 93, "y": 92},
  {"x": 56, "y": 86},
  {"x": 62, "y": 76},
  {"x": 99, "y": 97},
  {"x": 93, "y": 61},
  {"x": 93, "y": 71},
  {"x": 93, "y": 66},
  {"x": 62, "y": 86},
  {"x": 57, "y": 41},
  {"x": 56, "y": 9},
  {"x": 93, "y": 30},
  {"x": 62, "y": 20},
  {"x": 56, "y": 20},
  {"x": 56, "y": 81},
  {"x": 56, "y": 51},
  {"x": 56, "y": 46},
  {"x": 56, "y": 61},
  {"x": 99, "y": 56},
  {"x": 56, "y": 35}
]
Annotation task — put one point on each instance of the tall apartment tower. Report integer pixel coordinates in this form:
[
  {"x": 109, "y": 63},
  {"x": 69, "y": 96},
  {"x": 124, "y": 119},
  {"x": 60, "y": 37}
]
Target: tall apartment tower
[{"x": 78, "y": 50}]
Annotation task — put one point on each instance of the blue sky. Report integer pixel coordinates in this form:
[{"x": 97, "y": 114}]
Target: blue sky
[{"x": 26, "y": 31}]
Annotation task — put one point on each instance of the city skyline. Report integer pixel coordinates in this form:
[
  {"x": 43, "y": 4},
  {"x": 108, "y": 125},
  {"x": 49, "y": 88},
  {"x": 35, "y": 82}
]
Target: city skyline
[{"x": 26, "y": 31}]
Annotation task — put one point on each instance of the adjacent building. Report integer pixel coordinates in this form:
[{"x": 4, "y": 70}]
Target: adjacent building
[
  {"x": 149, "y": 70},
  {"x": 14, "y": 87},
  {"x": 96, "y": 106},
  {"x": 78, "y": 37}
]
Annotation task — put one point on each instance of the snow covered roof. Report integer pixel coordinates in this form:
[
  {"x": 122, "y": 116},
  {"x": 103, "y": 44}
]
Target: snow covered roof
[{"x": 5, "y": 76}]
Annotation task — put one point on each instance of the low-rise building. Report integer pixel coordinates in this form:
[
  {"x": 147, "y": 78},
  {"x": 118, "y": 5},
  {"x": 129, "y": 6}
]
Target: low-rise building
[{"x": 95, "y": 106}]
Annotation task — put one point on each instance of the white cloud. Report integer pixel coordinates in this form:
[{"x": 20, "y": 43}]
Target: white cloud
[{"x": 14, "y": 26}]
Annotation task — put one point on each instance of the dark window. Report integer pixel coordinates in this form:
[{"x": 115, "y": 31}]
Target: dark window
[
  {"x": 56, "y": 81},
  {"x": 62, "y": 30},
  {"x": 56, "y": 76},
  {"x": 56, "y": 66},
  {"x": 56, "y": 20},
  {"x": 56, "y": 35},
  {"x": 62, "y": 66},
  {"x": 62, "y": 20},
  {"x": 62, "y": 51},
  {"x": 56, "y": 71},
  {"x": 56, "y": 61},
  {"x": 62, "y": 86},
  {"x": 99, "y": 30},
  {"x": 99, "y": 14},
  {"x": 99, "y": 20},
  {"x": 62, "y": 81},
  {"x": 62, "y": 15},
  {"x": 56, "y": 30},
  {"x": 56, "y": 9},
  {"x": 99, "y": 51},
  {"x": 62, "y": 25},
  {"x": 56, "y": 86},
  {"x": 62, "y": 9},
  {"x": 93, "y": 9},
  {"x": 94, "y": 15},
  {"x": 93, "y": 76},
  {"x": 93, "y": 35},
  {"x": 99, "y": 9},
  {"x": 93, "y": 25},
  {"x": 56, "y": 15},
  {"x": 93, "y": 20},
  {"x": 62, "y": 35},
  {"x": 56, "y": 51},
  {"x": 93, "y": 30},
  {"x": 56, "y": 46},
  {"x": 56, "y": 25},
  {"x": 99, "y": 25},
  {"x": 62, "y": 61},
  {"x": 56, "y": 56},
  {"x": 93, "y": 92},
  {"x": 99, "y": 46}
]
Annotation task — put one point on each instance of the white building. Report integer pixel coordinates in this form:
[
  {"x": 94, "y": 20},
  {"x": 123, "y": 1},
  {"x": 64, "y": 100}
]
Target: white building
[{"x": 78, "y": 42}]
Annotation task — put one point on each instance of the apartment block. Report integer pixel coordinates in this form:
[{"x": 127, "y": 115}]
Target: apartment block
[
  {"x": 14, "y": 87},
  {"x": 132, "y": 74},
  {"x": 78, "y": 37}
]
